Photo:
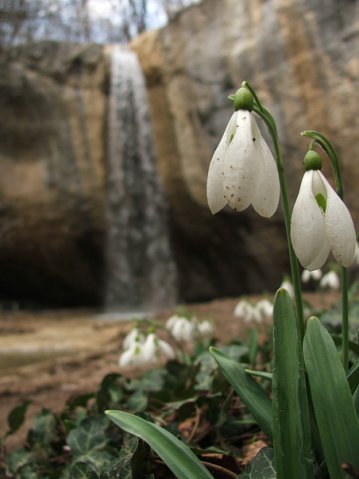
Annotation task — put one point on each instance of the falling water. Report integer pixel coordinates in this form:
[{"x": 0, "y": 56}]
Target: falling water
[{"x": 141, "y": 273}]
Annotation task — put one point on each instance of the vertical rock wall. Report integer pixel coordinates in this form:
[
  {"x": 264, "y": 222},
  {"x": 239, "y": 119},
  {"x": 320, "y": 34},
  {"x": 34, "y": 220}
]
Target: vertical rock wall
[{"x": 302, "y": 58}]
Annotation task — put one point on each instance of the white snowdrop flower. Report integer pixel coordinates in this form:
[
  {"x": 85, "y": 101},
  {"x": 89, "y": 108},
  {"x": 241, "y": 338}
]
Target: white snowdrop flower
[
  {"x": 133, "y": 356},
  {"x": 171, "y": 321},
  {"x": 265, "y": 308},
  {"x": 205, "y": 328},
  {"x": 183, "y": 329},
  {"x": 245, "y": 311},
  {"x": 155, "y": 349},
  {"x": 308, "y": 275},
  {"x": 330, "y": 280},
  {"x": 357, "y": 254},
  {"x": 320, "y": 221},
  {"x": 133, "y": 336},
  {"x": 243, "y": 171},
  {"x": 287, "y": 285}
]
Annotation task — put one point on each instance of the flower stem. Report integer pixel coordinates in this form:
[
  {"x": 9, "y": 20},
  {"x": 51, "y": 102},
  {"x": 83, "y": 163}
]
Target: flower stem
[
  {"x": 325, "y": 144},
  {"x": 269, "y": 121}
]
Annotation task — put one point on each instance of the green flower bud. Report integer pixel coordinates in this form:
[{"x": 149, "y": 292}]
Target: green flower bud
[
  {"x": 312, "y": 161},
  {"x": 243, "y": 99}
]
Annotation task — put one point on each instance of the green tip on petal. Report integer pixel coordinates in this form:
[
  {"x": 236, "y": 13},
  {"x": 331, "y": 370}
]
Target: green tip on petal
[
  {"x": 312, "y": 161},
  {"x": 243, "y": 99}
]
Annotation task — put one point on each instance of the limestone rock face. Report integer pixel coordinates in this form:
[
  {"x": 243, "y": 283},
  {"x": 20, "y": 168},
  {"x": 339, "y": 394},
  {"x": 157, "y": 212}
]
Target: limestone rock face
[
  {"x": 302, "y": 58},
  {"x": 52, "y": 183}
]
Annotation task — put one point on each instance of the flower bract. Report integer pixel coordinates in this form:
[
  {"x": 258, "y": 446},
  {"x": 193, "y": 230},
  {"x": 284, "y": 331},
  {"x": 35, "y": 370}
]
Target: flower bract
[
  {"x": 243, "y": 170},
  {"x": 321, "y": 223}
]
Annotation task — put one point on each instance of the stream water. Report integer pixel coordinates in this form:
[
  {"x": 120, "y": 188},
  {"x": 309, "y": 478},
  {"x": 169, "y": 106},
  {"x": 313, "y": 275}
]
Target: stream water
[{"x": 141, "y": 273}]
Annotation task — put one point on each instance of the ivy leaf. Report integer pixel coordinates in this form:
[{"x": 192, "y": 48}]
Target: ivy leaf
[
  {"x": 262, "y": 466},
  {"x": 131, "y": 462},
  {"x": 43, "y": 432},
  {"x": 16, "y": 417},
  {"x": 89, "y": 435},
  {"x": 82, "y": 470}
]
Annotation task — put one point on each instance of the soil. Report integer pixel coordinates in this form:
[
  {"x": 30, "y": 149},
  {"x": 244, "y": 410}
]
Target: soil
[{"x": 48, "y": 356}]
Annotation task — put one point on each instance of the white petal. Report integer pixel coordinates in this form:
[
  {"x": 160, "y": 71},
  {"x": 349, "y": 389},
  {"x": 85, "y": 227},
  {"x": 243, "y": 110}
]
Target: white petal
[
  {"x": 215, "y": 190},
  {"x": 125, "y": 358},
  {"x": 240, "y": 164},
  {"x": 166, "y": 349},
  {"x": 322, "y": 257},
  {"x": 150, "y": 348},
  {"x": 308, "y": 226},
  {"x": 266, "y": 198},
  {"x": 339, "y": 227}
]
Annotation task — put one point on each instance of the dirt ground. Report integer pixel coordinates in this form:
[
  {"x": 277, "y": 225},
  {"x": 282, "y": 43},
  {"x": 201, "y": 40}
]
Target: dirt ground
[{"x": 47, "y": 357}]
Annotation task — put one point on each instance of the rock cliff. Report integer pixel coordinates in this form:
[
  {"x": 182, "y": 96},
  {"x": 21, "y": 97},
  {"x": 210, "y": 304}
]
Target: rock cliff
[{"x": 302, "y": 58}]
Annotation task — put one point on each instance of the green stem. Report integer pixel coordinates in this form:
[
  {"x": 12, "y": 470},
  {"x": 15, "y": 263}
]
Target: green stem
[
  {"x": 269, "y": 121},
  {"x": 334, "y": 160},
  {"x": 345, "y": 317}
]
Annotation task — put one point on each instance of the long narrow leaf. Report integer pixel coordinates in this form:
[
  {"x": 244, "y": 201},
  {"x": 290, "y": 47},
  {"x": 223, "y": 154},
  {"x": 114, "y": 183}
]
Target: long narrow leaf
[
  {"x": 250, "y": 392},
  {"x": 291, "y": 424},
  {"x": 353, "y": 376},
  {"x": 178, "y": 457},
  {"x": 332, "y": 400}
]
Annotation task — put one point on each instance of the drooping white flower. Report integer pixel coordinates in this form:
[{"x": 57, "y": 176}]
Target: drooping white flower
[
  {"x": 242, "y": 170},
  {"x": 155, "y": 349},
  {"x": 182, "y": 328},
  {"x": 308, "y": 275},
  {"x": 265, "y": 308},
  {"x": 205, "y": 328},
  {"x": 330, "y": 280},
  {"x": 133, "y": 336},
  {"x": 133, "y": 356},
  {"x": 246, "y": 311},
  {"x": 321, "y": 223},
  {"x": 287, "y": 285},
  {"x": 357, "y": 254}
]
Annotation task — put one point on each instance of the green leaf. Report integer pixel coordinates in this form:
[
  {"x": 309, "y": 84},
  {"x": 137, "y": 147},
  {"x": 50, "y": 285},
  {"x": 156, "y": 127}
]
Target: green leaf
[
  {"x": 262, "y": 466},
  {"x": 253, "y": 346},
  {"x": 89, "y": 435},
  {"x": 138, "y": 401},
  {"x": 131, "y": 463},
  {"x": 291, "y": 424},
  {"x": 178, "y": 457},
  {"x": 261, "y": 374},
  {"x": 16, "y": 417},
  {"x": 333, "y": 404},
  {"x": 82, "y": 470},
  {"x": 353, "y": 376},
  {"x": 250, "y": 392},
  {"x": 43, "y": 432}
]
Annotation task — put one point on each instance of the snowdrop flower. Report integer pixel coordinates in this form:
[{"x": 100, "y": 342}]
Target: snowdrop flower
[
  {"x": 242, "y": 170},
  {"x": 133, "y": 356},
  {"x": 133, "y": 336},
  {"x": 320, "y": 220},
  {"x": 357, "y": 254},
  {"x": 265, "y": 308},
  {"x": 155, "y": 349},
  {"x": 330, "y": 280},
  {"x": 205, "y": 328},
  {"x": 247, "y": 312},
  {"x": 182, "y": 329},
  {"x": 287, "y": 285},
  {"x": 308, "y": 275}
]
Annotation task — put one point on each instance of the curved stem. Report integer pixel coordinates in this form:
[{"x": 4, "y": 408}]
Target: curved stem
[
  {"x": 325, "y": 144},
  {"x": 268, "y": 119}
]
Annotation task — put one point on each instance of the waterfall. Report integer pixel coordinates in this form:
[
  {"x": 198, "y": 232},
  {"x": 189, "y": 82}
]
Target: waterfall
[{"x": 141, "y": 273}]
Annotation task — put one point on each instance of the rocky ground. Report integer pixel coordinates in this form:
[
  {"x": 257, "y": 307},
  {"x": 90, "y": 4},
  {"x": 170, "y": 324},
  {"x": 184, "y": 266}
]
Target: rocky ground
[{"x": 48, "y": 356}]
